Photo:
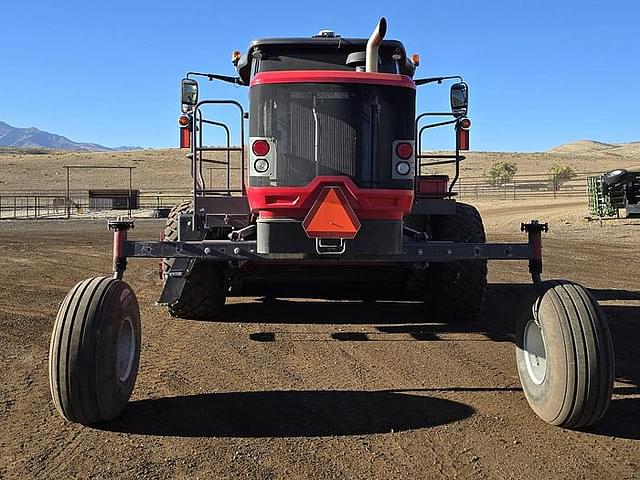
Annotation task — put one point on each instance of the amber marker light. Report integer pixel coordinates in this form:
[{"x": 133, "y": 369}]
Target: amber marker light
[
  {"x": 415, "y": 59},
  {"x": 465, "y": 123}
]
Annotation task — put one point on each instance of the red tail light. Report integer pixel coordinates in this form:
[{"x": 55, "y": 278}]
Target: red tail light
[
  {"x": 260, "y": 148},
  {"x": 185, "y": 137},
  {"x": 462, "y": 139},
  {"x": 404, "y": 150}
]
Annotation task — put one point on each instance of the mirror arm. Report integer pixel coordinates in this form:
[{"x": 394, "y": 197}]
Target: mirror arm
[
  {"x": 423, "y": 81},
  {"x": 213, "y": 76}
]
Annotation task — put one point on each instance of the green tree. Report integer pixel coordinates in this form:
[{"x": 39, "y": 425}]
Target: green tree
[
  {"x": 501, "y": 172},
  {"x": 558, "y": 174}
]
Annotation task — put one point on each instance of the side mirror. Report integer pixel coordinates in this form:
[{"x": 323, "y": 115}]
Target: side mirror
[
  {"x": 189, "y": 97},
  {"x": 459, "y": 99}
]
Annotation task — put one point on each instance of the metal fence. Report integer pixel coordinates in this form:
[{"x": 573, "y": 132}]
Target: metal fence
[
  {"x": 52, "y": 205},
  {"x": 522, "y": 187},
  {"x": 56, "y": 204}
]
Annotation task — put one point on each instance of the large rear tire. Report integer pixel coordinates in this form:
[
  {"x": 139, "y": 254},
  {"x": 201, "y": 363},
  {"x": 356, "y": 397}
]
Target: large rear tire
[
  {"x": 204, "y": 293},
  {"x": 564, "y": 355},
  {"x": 171, "y": 228},
  {"x": 456, "y": 290},
  {"x": 95, "y": 350}
]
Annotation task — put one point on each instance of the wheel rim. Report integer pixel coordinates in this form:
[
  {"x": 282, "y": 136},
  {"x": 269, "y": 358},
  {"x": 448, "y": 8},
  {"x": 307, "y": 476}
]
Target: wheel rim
[
  {"x": 535, "y": 353},
  {"x": 126, "y": 353}
]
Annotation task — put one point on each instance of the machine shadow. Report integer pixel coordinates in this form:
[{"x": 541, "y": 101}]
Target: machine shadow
[
  {"x": 501, "y": 308},
  {"x": 286, "y": 414},
  {"x": 345, "y": 413},
  {"x": 623, "y": 418}
]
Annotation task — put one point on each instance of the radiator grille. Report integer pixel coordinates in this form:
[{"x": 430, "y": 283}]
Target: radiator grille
[
  {"x": 355, "y": 127},
  {"x": 336, "y": 143}
]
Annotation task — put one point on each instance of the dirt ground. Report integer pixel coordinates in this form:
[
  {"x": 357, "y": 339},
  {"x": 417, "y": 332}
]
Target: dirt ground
[{"x": 317, "y": 389}]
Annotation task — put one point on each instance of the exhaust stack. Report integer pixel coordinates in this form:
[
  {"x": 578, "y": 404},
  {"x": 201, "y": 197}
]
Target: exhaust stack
[{"x": 374, "y": 42}]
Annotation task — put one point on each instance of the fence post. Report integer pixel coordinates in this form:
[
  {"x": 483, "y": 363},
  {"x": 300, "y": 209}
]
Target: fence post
[{"x": 68, "y": 192}]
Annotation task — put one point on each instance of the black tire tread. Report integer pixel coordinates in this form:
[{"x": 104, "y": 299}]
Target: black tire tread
[
  {"x": 203, "y": 295},
  {"x": 595, "y": 375},
  {"x": 457, "y": 290},
  {"x": 72, "y": 359},
  {"x": 589, "y": 350},
  {"x": 171, "y": 229}
]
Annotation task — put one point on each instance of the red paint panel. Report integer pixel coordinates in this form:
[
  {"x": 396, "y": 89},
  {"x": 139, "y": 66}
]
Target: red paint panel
[
  {"x": 185, "y": 137},
  {"x": 432, "y": 185},
  {"x": 332, "y": 76},
  {"x": 295, "y": 202}
]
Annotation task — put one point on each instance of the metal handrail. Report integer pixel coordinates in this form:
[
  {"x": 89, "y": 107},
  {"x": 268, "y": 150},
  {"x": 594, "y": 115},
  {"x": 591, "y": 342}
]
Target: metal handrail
[
  {"x": 197, "y": 149},
  {"x": 454, "y": 158},
  {"x": 228, "y": 132}
]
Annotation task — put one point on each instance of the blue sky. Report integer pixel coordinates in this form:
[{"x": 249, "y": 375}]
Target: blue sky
[{"x": 541, "y": 73}]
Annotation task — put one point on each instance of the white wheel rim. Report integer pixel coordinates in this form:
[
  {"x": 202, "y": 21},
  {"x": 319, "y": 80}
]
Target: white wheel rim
[
  {"x": 126, "y": 350},
  {"x": 535, "y": 352}
]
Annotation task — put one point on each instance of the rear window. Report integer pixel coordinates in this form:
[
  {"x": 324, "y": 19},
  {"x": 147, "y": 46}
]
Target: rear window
[{"x": 315, "y": 61}]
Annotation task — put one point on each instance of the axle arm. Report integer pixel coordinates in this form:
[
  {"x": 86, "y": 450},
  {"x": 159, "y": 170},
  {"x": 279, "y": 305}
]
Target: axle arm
[{"x": 412, "y": 252}]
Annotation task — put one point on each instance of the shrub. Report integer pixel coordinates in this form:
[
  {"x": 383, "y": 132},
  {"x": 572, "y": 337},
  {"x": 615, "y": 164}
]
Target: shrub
[
  {"x": 559, "y": 174},
  {"x": 501, "y": 172}
]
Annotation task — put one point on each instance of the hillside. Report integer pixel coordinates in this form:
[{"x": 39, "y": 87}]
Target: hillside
[
  {"x": 590, "y": 147},
  {"x": 33, "y": 138},
  {"x": 168, "y": 170}
]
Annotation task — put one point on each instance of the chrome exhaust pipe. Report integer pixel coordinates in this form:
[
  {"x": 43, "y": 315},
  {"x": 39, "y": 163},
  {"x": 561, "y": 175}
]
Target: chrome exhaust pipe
[{"x": 374, "y": 42}]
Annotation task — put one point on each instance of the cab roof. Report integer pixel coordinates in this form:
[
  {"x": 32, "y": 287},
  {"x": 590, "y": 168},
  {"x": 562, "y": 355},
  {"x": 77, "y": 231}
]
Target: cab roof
[{"x": 335, "y": 48}]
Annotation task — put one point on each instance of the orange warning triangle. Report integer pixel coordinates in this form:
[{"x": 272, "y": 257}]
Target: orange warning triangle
[{"x": 331, "y": 216}]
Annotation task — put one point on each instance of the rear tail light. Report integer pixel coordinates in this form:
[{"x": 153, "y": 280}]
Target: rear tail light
[
  {"x": 404, "y": 150},
  {"x": 260, "y": 148},
  {"x": 185, "y": 137}
]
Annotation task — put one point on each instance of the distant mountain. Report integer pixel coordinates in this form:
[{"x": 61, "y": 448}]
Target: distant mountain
[
  {"x": 585, "y": 147},
  {"x": 32, "y": 137}
]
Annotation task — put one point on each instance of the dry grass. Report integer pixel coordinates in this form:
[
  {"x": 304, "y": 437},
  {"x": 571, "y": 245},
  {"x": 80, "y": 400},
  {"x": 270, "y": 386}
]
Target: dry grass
[{"x": 168, "y": 170}]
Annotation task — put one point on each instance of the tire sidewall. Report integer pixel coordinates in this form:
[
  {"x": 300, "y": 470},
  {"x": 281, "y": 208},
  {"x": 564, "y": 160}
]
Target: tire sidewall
[
  {"x": 117, "y": 304},
  {"x": 547, "y": 399}
]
